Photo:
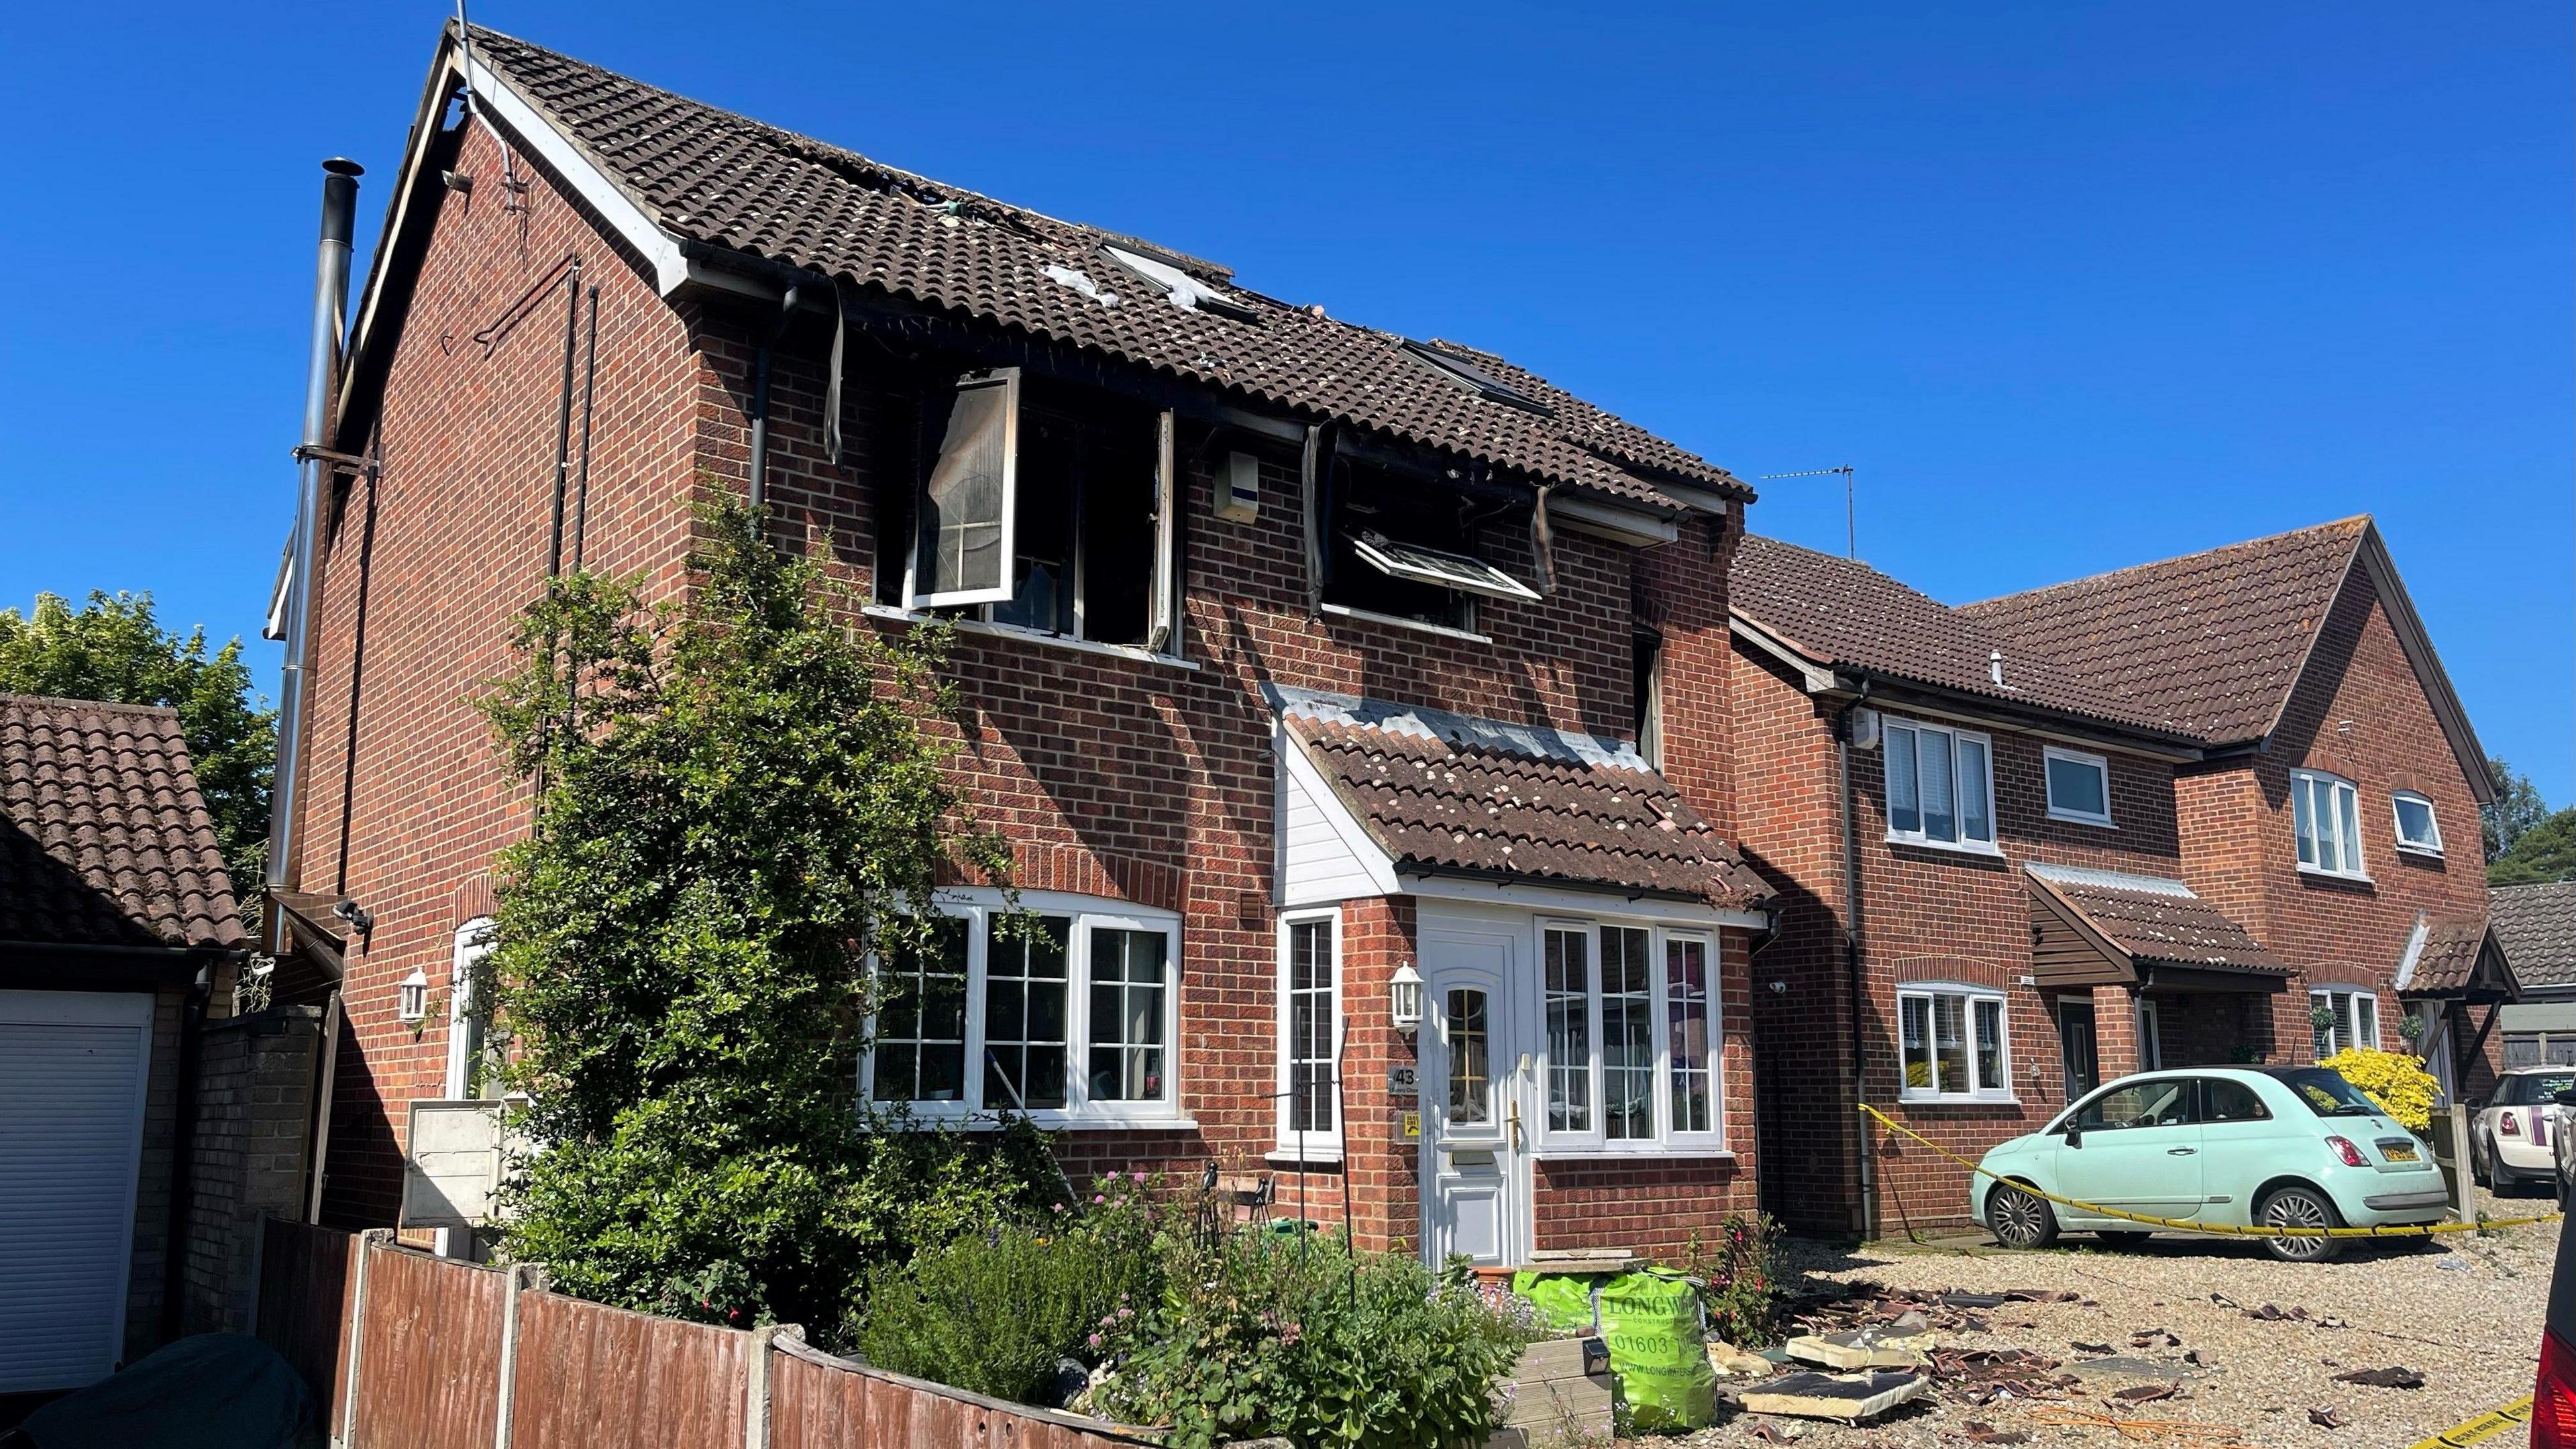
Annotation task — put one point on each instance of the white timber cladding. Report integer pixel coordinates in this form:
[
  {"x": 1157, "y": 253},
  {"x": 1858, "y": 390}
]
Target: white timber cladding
[
  {"x": 73, "y": 1068},
  {"x": 1324, "y": 855}
]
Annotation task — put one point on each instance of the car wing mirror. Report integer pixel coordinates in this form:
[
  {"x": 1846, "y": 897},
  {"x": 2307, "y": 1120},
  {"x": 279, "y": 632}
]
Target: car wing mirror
[
  {"x": 2074, "y": 1135},
  {"x": 2567, "y": 1098}
]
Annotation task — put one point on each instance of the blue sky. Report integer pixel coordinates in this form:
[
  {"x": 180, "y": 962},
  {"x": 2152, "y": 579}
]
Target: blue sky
[{"x": 2072, "y": 286}]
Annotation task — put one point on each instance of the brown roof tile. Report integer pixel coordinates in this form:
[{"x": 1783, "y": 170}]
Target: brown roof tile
[
  {"x": 106, "y": 841},
  {"x": 2211, "y": 641},
  {"x": 1466, "y": 805},
  {"x": 2536, "y": 925},
  {"x": 2450, "y": 956},
  {"x": 710, "y": 176},
  {"x": 2158, "y": 920}
]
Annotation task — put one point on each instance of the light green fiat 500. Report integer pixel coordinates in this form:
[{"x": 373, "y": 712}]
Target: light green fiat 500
[{"x": 2284, "y": 1147}]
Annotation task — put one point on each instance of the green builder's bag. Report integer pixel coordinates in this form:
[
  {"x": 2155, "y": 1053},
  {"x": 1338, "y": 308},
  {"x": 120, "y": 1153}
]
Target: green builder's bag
[
  {"x": 1564, "y": 1299},
  {"x": 1652, "y": 1324}
]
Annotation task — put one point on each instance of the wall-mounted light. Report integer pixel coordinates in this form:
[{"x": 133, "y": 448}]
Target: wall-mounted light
[
  {"x": 1404, "y": 999},
  {"x": 1780, "y": 988},
  {"x": 411, "y": 1002}
]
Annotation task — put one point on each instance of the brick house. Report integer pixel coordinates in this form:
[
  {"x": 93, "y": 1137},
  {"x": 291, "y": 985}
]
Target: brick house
[
  {"x": 116, "y": 921},
  {"x": 2159, "y": 817},
  {"x": 1304, "y": 662}
]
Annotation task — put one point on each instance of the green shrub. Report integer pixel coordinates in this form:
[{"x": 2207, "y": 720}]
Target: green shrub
[
  {"x": 1262, "y": 1335},
  {"x": 1740, "y": 1280}
]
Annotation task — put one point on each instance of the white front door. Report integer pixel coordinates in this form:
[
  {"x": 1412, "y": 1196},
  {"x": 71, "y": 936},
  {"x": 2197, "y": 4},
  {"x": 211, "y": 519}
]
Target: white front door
[{"x": 1475, "y": 1170}]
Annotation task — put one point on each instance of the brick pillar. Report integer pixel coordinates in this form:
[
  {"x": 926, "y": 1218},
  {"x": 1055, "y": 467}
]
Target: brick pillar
[
  {"x": 2115, "y": 1029},
  {"x": 1378, "y": 936}
]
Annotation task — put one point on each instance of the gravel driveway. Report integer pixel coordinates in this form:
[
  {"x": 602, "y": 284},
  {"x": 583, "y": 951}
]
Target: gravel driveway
[{"x": 2465, "y": 1312}]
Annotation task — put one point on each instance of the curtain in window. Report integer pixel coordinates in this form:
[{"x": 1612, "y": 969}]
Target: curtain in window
[
  {"x": 965, "y": 509},
  {"x": 1569, "y": 1031},
  {"x": 1627, "y": 1035},
  {"x": 1127, "y": 985},
  {"x": 1990, "y": 1046},
  {"x": 2303, "y": 817},
  {"x": 1686, "y": 1003},
  {"x": 1950, "y": 1043},
  {"x": 1976, "y": 820},
  {"x": 1904, "y": 801}
]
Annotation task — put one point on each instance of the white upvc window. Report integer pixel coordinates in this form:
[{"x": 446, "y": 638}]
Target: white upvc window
[
  {"x": 1070, "y": 1013},
  {"x": 2325, "y": 814},
  {"x": 1956, "y": 1042},
  {"x": 1940, "y": 786},
  {"x": 474, "y": 941},
  {"x": 2417, "y": 830},
  {"x": 2079, "y": 786},
  {"x": 1310, "y": 1033},
  {"x": 1634, "y": 1037},
  {"x": 2355, "y": 1018}
]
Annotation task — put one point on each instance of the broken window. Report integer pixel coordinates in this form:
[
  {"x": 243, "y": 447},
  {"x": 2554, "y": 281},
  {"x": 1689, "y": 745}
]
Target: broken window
[
  {"x": 1405, "y": 549},
  {"x": 1047, "y": 507}
]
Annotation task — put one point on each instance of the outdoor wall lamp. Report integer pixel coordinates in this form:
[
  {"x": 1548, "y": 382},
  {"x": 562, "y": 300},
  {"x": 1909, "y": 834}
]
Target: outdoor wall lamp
[
  {"x": 412, "y": 999},
  {"x": 1404, "y": 999}
]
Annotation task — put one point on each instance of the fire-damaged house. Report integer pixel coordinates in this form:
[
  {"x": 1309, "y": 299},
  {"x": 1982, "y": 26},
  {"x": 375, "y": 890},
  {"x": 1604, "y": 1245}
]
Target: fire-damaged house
[{"x": 1353, "y": 704}]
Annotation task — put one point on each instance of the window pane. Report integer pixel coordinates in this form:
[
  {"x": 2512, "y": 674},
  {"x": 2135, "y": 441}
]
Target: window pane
[
  {"x": 1940, "y": 816},
  {"x": 1310, "y": 1027},
  {"x": 1687, "y": 1010},
  {"x": 2347, "y": 813},
  {"x": 1916, "y": 1012},
  {"x": 1127, "y": 985},
  {"x": 2233, "y": 1101},
  {"x": 1627, "y": 1035},
  {"x": 1990, "y": 1046},
  {"x": 1024, "y": 1012},
  {"x": 2075, "y": 787},
  {"x": 1569, "y": 1031},
  {"x": 1904, "y": 803},
  {"x": 920, "y": 1050},
  {"x": 1976, "y": 820},
  {"x": 1950, "y": 1042},
  {"x": 1471, "y": 1079},
  {"x": 964, "y": 503},
  {"x": 2365, "y": 1020},
  {"x": 2303, "y": 818},
  {"x": 2164, "y": 1103},
  {"x": 2415, "y": 822},
  {"x": 2324, "y": 1034}
]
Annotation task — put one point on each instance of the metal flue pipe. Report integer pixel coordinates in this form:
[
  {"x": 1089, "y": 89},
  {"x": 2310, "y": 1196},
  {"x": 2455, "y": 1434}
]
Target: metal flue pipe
[{"x": 321, "y": 381}]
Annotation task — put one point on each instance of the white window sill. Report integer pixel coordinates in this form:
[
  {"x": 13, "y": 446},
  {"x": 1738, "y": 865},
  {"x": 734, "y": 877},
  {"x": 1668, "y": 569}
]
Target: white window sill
[
  {"x": 1131, "y": 652},
  {"x": 2429, "y": 852},
  {"x": 1045, "y": 1119},
  {"x": 1345, "y": 611},
  {"x": 1316, "y": 1154},
  {"x": 1955, "y": 847},
  {"x": 1956, "y": 1099},
  {"x": 2069, "y": 817},
  {"x": 2354, "y": 876},
  {"x": 1655, "y": 1151}
]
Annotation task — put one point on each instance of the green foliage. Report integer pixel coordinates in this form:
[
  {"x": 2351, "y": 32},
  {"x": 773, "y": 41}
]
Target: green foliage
[
  {"x": 1740, "y": 1280},
  {"x": 2516, "y": 809},
  {"x": 1261, "y": 1335},
  {"x": 735, "y": 799},
  {"x": 2545, "y": 852},
  {"x": 996, "y": 1311},
  {"x": 2396, "y": 1081},
  {"x": 113, "y": 649}
]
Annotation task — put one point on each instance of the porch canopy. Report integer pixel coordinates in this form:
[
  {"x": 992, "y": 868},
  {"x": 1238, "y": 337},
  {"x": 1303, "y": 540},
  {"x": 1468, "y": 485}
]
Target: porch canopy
[
  {"x": 2457, "y": 960},
  {"x": 2111, "y": 928}
]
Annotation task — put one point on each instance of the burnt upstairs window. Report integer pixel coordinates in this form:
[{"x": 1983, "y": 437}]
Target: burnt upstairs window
[
  {"x": 1047, "y": 507},
  {"x": 1406, "y": 548}
]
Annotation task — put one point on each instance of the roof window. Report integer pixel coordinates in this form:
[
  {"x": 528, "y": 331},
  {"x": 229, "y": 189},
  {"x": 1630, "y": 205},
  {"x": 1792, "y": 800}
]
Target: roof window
[
  {"x": 1485, "y": 384},
  {"x": 1182, "y": 290}
]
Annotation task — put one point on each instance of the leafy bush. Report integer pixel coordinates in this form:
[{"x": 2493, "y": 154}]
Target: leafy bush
[
  {"x": 1740, "y": 1280},
  {"x": 995, "y": 1312},
  {"x": 1262, "y": 1335},
  {"x": 2396, "y": 1081}
]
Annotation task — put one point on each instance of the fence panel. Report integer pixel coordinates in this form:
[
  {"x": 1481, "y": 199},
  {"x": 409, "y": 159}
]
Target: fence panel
[
  {"x": 429, "y": 1367},
  {"x": 591, "y": 1377},
  {"x": 821, "y": 1402},
  {"x": 816, "y": 1406},
  {"x": 305, "y": 1278}
]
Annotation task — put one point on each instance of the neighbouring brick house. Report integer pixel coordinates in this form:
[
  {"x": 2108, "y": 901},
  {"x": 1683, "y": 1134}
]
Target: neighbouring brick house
[
  {"x": 1302, "y": 661},
  {"x": 117, "y": 921},
  {"x": 2162, "y": 816}
]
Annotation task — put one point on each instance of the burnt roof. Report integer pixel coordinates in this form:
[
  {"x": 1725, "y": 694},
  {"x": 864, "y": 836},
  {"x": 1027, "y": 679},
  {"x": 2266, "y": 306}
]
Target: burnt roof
[
  {"x": 106, "y": 840},
  {"x": 1477, "y": 806},
  {"x": 2536, "y": 925},
  {"x": 709, "y": 176}
]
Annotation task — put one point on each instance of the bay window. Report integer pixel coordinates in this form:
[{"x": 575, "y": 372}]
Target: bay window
[
  {"x": 1940, "y": 786},
  {"x": 1066, "y": 1010},
  {"x": 1633, "y": 1037},
  {"x": 2325, "y": 815},
  {"x": 1954, "y": 1043}
]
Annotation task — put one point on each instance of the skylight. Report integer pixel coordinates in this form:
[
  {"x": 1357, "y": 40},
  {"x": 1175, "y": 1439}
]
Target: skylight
[
  {"x": 1184, "y": 291},
  {"x": 1441, "y": 570},
  {"x": 1459, "y": 369}
]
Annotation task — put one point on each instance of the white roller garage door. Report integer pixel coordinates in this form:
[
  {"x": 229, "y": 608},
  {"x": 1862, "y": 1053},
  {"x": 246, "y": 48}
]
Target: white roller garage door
[{"x": 72, "y": 1070}]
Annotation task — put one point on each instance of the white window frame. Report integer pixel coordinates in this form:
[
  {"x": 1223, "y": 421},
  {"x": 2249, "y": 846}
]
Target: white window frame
[
  {"x": 2335, "y": 1039},
  {"x": 1312, "y": 1145},
  {"x": 1912, "y": 730},
  {"x": 1969, "y": 997},
  {"x": 914, "y": 597},
  {"x": 2101, "y": 765},
  {"x": 2397, "y": 821},
  {"x": 977, "y": 906},
  {"x": 2303, "y": 785},
  {"x": 474, "y": 942},
  {"x": 1663, "y": 1140}
]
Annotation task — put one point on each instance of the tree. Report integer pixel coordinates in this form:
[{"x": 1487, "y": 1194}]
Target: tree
[
  {"x": 113, "y": 649},
  {"x": 736, "y": 801},
  {"x": 2517, "y": 808},
  {"x": 2546, "y": 851}
]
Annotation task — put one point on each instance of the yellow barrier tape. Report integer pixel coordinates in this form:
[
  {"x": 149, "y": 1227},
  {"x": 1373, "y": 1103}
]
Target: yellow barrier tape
[
  {"x": 2484, "y": 1426},
  {"x": 2187, "y": 1225}
]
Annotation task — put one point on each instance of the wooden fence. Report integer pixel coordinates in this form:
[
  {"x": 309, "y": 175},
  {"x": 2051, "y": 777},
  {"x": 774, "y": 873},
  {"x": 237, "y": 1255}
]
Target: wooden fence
[{"x": 409, "y": 1351}]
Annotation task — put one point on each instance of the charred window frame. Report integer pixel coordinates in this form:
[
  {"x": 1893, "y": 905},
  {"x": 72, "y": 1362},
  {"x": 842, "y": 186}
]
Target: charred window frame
[{"x": 1410, "y": 549}]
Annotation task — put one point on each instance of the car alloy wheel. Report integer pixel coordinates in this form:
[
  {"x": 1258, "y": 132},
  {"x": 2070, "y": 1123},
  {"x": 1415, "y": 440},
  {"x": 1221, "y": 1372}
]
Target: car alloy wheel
[
  {"x": 2019, "y": 1218},
  {"x": 2298, "y": 1207}
]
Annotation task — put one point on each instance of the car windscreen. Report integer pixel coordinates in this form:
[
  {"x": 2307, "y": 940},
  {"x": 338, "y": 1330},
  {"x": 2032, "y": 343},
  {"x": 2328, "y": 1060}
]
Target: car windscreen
[
  {"x": 2533, "y": 1089},
  {"x": 2326, "y": 1093}
]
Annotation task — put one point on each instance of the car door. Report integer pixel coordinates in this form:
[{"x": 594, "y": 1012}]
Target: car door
[
  {"x": 2241, "y": 1145},
  {"x": 2135, "y": 1146}
]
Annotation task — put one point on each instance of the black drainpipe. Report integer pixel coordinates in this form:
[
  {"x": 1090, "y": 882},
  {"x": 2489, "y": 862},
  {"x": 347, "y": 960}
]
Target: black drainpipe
[
  {"x": 1852, "y": 962},
  {"x": 563, "y": 418},
  {"x": 760, "y": 396}
]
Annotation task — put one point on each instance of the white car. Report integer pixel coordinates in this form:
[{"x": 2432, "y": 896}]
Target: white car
[{"x": 2511, "y": 1135}]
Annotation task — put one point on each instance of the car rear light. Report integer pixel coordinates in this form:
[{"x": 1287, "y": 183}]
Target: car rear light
[
  {"x": 2350, "y": 1154},
  {"x": 2507, "y": 1125},
  {"x": 2553, "y": 1395}
]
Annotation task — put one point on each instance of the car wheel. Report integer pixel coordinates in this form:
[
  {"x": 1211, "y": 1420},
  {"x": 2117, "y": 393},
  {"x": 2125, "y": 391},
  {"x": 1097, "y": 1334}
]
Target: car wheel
[
  {"x": 2020, "y": 1218},
  {"x": 2298, "y": 1207},
  {"x": 2481, "y": 1164}
]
